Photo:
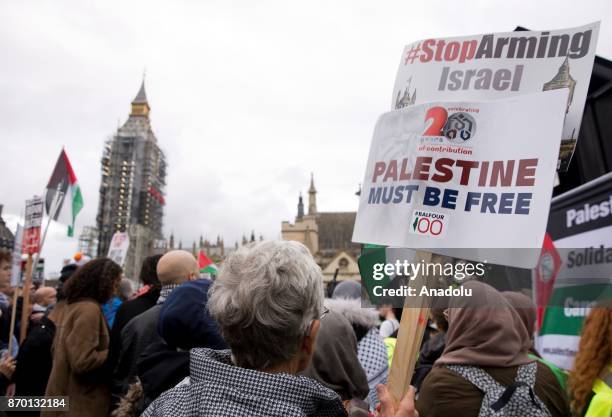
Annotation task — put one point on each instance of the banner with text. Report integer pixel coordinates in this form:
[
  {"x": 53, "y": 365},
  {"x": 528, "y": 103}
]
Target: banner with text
[
  {"x": 33, "y": 223},
  {"x": 580, "y": 224},
  {"x": 463, "y": 175},
  {"x": 498, "y": 65},
  {"x": 16, "y": 278}
]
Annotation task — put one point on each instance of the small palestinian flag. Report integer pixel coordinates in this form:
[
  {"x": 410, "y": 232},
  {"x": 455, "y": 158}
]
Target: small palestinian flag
[
  {"x": 206, "y": 265},
  {"x": 371, "y": 255},
  {"x": 63, "y": 183}
]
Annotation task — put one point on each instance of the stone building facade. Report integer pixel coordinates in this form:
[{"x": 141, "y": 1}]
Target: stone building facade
[
  {"x": 328, "y": 237},
  {"x": 7, "y": 239}
]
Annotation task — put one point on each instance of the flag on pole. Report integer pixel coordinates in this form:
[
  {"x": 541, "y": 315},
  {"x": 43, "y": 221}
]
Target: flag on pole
[
  {"x": 206, "y": 265},
  {"x": 62, "y": 182}
]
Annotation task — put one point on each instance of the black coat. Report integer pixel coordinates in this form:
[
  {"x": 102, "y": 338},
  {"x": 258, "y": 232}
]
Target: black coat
[
  {"x": 34, "y": 362},
  {"x": 139, "y": 333},
  {"x": 126, "y": 312},
  {"x": 161, "y": 368}
]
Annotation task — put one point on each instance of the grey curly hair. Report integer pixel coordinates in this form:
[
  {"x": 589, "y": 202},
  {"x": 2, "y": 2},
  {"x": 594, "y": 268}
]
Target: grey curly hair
[{"x": 265, "y": 298}]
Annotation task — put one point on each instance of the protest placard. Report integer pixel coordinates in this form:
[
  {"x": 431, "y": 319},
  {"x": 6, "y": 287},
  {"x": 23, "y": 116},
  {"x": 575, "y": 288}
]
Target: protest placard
[
  {"x": 580, "y": 229},
  {"x": 33, "y": 222},
  {"x": 117, "y": 251},
  {"x": 16, "y": 257},
  {"x": 448, "y": 176},
  {"x": 498, "y": 65},
  {"x": 31, "y": 244}
]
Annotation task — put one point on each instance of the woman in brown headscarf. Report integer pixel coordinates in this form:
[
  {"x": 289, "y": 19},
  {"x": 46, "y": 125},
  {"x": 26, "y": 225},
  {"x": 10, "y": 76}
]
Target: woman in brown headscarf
[{"x": 486, "y": 332}]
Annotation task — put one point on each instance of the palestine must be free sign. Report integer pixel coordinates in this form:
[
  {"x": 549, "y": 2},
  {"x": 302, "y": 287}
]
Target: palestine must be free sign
[{"x": 448, "y": 174}]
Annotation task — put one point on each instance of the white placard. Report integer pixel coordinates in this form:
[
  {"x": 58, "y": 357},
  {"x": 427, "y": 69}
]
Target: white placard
[
  {"x": 16, "y": 261},
  {"x": 119, "y": 246},
  {"x": 33, "y": 212},
  {"x": 463, "y": 175},
  {"x": 499, "y": 65}
]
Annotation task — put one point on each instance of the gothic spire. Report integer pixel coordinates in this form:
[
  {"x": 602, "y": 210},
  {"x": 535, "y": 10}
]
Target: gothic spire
[
  {"x": 300, "y": 213},
  {"x": 312, "y": 188},
  {"x": 171, "y": 243},
  {"x": 312, "y": 197}
]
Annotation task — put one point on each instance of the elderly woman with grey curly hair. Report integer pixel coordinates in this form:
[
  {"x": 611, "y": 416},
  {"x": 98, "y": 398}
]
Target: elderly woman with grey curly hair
[{"x": 268, "y": 302}]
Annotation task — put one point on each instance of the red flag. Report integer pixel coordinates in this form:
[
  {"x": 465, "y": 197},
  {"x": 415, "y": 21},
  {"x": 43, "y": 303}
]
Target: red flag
[{"x": 546, "y": 273}]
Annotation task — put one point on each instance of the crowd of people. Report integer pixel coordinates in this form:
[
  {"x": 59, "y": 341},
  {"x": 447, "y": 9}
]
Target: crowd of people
[{"x": 261, "y": 339}]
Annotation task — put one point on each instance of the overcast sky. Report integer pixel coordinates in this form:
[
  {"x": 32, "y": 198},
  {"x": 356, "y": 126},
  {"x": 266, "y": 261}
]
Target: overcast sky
[{"x": 247, "y": 97}]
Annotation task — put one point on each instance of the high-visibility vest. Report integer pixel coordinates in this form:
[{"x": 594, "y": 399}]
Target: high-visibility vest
[
  {"x": 390, "y": 345},
  {"x": 601, "y": 403}
]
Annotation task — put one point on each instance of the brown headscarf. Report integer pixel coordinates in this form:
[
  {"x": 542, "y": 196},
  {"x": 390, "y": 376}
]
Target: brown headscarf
[
  {"x": 526, "y": 309},
  {"x": 484, "y": 330}
]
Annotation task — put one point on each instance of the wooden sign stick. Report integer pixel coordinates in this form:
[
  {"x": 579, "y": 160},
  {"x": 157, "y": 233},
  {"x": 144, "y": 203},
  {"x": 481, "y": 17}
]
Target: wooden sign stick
[{"x": 409, "y": 337}]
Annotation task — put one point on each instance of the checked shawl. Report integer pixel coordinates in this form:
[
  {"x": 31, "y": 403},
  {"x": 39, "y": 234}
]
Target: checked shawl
[{"x": 219, "y": 388}]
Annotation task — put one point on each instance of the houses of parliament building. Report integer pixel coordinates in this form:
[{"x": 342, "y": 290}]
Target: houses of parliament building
[{"x": 328, "y": 237}]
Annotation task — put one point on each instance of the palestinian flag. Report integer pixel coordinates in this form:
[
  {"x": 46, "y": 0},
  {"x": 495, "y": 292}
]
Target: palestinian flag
[
  {"x": 206, "y": 265},
  {"x": 63, "y": 183}
]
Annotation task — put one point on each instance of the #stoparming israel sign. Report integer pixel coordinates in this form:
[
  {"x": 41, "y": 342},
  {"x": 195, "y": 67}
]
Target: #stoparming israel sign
[{"x": 498, "y": 65}]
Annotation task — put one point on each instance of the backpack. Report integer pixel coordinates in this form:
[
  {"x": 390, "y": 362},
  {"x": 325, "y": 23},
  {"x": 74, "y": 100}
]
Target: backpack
[{"x": 518, "y": 399}]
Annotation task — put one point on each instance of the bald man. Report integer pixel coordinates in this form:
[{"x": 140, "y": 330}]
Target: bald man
[
  {"x": 173, "y": 269},
  {"x": 43, "y": 298}
]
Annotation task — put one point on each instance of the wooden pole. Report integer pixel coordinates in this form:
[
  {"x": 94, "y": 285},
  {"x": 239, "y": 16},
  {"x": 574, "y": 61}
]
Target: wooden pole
[
  {"x": 410, "y": 335},
  {"x": 26, "y": 300}
]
